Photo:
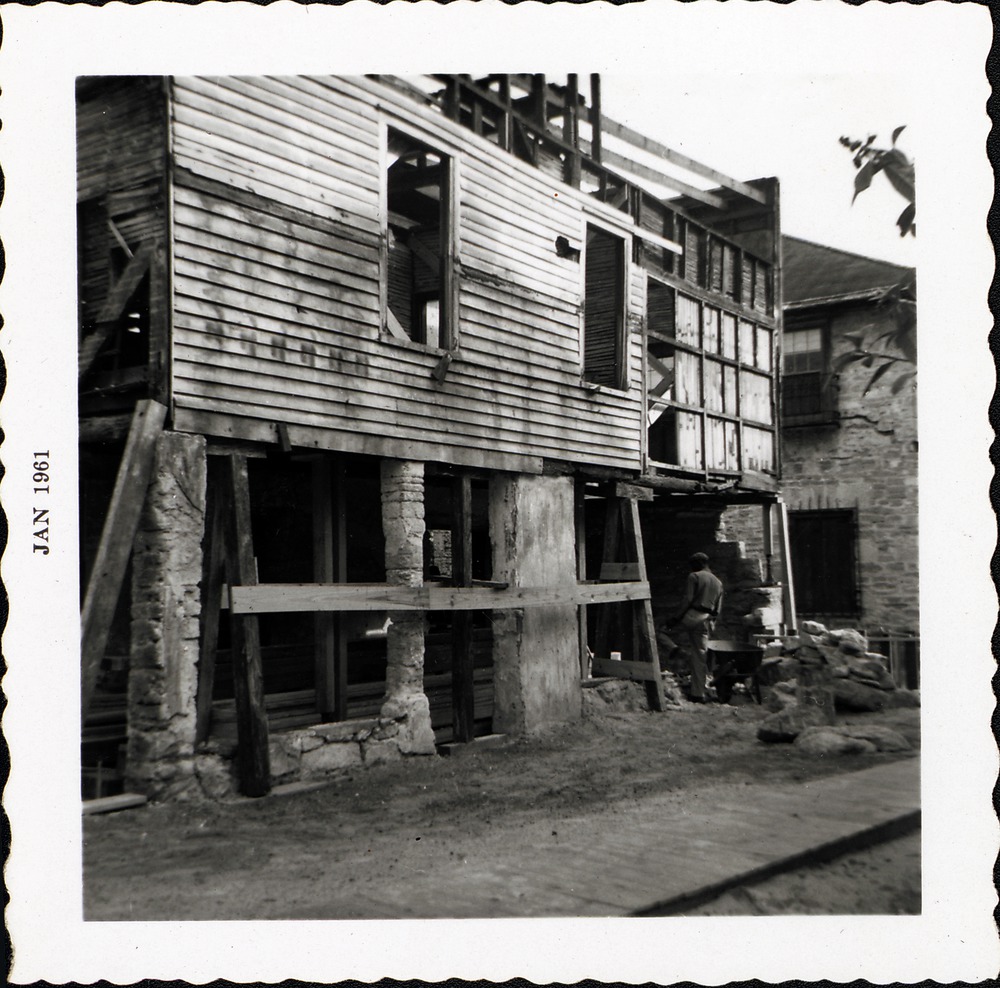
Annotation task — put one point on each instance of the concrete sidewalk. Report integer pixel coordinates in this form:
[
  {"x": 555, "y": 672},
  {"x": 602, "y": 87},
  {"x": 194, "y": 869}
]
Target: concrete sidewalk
[{"x": 662, "y": 856}]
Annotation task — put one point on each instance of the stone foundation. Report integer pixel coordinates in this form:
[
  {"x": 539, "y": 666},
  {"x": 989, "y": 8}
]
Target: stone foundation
[{"x": 166, "y": 605}]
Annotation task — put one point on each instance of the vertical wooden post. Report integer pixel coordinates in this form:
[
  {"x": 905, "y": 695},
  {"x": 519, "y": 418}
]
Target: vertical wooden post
[
  {"x": 581, "y": 574},
  {"x": 117, "y": 536},
  {"x": 505, "y": 136},
  {"x": 788, "y": 595},
  {"x": 768, "y": 532},
  {"x": 213, "y": 570},
  {"x": 612, "y": 525},
  {"x": 571, "y": 130},
  {"x": 540, "y": 97},
  {"x": 248, "y": 681},
  {"x": 595, "y": 117},
  {"x": 462, "y": 665},
  {"x": 643, "y": 609},
  {"x": 340, "y": 571},
  {"x": 324, "y": 572}
]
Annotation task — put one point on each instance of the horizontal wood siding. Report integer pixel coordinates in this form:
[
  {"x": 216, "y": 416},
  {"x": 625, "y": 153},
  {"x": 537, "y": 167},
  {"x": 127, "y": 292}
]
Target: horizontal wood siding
[{"x": 277, "y": 240}]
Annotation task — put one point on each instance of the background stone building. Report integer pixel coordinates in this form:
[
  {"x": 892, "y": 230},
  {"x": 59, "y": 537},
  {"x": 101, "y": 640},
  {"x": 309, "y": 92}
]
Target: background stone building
[{"x": 849, "y": 456}]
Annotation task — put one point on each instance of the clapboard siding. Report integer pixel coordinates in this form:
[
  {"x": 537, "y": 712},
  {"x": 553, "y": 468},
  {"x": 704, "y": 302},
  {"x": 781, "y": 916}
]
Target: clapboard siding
[{"x": 277, "y": 295}]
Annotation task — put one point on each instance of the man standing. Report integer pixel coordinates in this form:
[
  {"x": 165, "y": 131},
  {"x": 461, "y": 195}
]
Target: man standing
[{"x": 699, "y": 609}]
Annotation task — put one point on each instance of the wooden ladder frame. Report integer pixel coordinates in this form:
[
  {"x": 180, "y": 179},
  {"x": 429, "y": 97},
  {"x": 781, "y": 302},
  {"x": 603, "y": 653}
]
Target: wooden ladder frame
[{"x": 623, "y": 536}]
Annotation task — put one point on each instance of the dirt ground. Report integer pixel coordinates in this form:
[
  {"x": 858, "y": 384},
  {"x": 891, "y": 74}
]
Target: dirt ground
[{"x": 279, "y": 857}]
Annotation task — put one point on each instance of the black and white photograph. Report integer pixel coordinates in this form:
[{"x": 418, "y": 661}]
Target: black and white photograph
[{"x": 489, "y": 523}]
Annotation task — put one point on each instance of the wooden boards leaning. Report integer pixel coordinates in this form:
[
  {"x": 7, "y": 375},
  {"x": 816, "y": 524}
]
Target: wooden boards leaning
[{"x": 117, "y": 537}]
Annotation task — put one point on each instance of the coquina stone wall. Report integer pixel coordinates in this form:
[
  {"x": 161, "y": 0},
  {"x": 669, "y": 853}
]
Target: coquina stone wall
[{"x": 166, "y": 604}]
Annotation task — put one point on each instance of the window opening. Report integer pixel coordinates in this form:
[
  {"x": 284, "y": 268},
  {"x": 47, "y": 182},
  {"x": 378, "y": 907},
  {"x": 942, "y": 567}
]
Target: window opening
[
  {"x": 824, "y": 562},
  {"x": 417, "y": 235},
  {"x": 807, "y": 388},
  {"x": 704, "y": 410},
  {"x": 604, "y": 310}
]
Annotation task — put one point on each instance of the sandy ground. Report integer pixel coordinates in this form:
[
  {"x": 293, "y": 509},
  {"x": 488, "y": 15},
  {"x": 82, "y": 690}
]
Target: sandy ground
[{"x": 282, "y": 857}]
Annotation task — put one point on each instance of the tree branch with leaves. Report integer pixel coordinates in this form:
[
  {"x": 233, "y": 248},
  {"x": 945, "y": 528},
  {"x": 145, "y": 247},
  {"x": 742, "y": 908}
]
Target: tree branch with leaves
[{"x": 896, "y": 347}]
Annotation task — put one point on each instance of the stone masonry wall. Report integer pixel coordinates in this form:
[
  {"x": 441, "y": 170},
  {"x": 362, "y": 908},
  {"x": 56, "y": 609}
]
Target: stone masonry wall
[
  {"x": 166, "y": 604},
  {"x": 405, "y": 719},
  {"x": 536, "y": 667},
  {"x": 869, "y": 463}
]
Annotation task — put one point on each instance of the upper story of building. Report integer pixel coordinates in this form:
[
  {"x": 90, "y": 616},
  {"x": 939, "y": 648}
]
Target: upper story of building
[
  {"x": 834, "y": 301},
  {"x": 482, "y": 272}
]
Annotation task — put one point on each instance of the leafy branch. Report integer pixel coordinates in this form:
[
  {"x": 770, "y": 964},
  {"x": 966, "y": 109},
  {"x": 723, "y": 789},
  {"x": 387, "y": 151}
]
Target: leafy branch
[
  {"x": 897, "y": 168},
  {"x": 895, "y": 348}
]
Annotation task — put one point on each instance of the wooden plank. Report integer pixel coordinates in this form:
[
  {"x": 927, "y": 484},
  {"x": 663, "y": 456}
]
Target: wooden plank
[
  {"x": 567, "y": 399},
  {"x": 785, "y": 565},
  {"x": 660, "y": 179},
  {"x": 633, "y": 492},
  {"x": 112, "y": 804},
  {"x": 284, "y": 598},
  {"x": 213, "y": 574},
  {"x": 580, "y": 523},
  {"x": 252, "y": 755},
  {"x": 643, "y": 610},
  {"x": 462, "y": 666},
  {"x": 637, "y": 672},
  {"x": 622, "y": 132},
  {"x": 612, "y": 534},
  {"x": 616, "y": 572},
  {"x": 113, "y": 307},
  {"x": 325, "y": 570},
  {"x": 117, "y": 536},
  {"x": 191, "y": 416}
]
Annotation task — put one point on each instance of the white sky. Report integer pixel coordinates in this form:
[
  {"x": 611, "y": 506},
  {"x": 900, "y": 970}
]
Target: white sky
[
  {"x": 752, "y": 89},
  {"x": 754, "y": 125}
]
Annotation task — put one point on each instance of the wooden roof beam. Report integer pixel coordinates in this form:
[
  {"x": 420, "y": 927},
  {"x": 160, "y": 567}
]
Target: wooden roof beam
[{"x": 612, "y": 128}]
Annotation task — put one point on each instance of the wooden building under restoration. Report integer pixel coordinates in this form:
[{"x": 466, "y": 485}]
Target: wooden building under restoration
[{"x": 384, "y": 386}]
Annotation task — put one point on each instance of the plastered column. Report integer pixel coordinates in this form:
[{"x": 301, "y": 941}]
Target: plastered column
[
  {"x": 405, "y": 715},
  {"x": 166, "y": 606},
  {"x": 536, "y": 666}
]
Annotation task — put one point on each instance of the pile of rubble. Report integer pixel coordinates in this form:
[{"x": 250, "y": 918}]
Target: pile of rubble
[{"x": 813, "y": 675}]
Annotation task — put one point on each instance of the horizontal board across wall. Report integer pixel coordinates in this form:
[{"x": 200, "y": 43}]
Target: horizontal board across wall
[{"x": 277, "y": 229}]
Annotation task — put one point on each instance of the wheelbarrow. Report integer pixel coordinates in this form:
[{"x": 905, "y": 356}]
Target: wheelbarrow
[{"x": 734, "y": 662}]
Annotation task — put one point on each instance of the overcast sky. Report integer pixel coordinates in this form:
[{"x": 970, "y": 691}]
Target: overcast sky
[{"x": 785, "y": 124}]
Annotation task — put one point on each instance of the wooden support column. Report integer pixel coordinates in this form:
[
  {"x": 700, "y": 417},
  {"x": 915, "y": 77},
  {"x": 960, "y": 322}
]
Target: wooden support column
[
  {"x": 117, "y": 536},
  {"x": 213, "y": 576},
  {"x": 612, "y": 528},
  {"x": 788, "y": 594},
  {"x": 324, "y": 571},
  {"x": 643, "y": 609},
  {"x": 766, "y": 510},
  {"x": 595, "y": 118},
  {"x": 505, "y": 135},
  {"x": 462, "y": 666},
  {"x": 571, "y": 130},
  {"x": 253, "y": 757},
  {"x": 340, "y": 528},
  {"x": 581, "y": 574},
  {"x": 539, "y": 101}
]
